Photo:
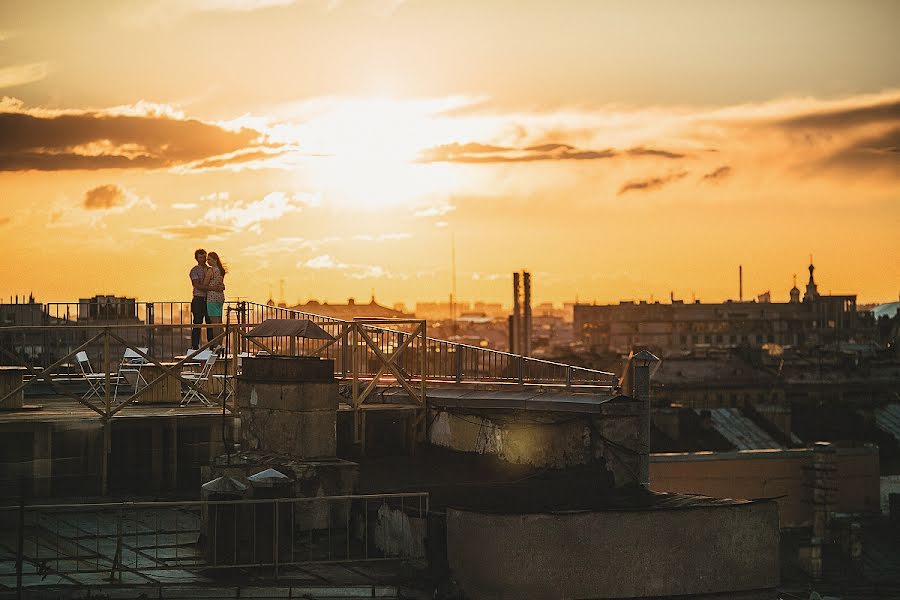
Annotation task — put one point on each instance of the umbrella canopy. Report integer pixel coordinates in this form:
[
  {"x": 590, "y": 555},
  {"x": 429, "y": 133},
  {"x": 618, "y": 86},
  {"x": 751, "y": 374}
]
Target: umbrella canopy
[
  {"x": 224, "y": 485},
  {"x": 302, "y": 328}
]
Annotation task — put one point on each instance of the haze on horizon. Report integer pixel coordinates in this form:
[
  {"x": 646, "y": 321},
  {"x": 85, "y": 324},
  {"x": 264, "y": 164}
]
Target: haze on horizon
[{"x": 617, "y": 150}]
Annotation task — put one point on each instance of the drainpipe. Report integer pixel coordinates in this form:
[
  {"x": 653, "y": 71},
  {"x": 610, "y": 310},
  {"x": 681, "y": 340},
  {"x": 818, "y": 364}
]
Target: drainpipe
[{"x": 641, "y": 391}]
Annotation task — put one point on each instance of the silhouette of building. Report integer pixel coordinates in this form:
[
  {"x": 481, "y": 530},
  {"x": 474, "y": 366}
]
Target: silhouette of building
[
  {"x": 679, "y": 327},
  {"x": 351, "y": 310}
]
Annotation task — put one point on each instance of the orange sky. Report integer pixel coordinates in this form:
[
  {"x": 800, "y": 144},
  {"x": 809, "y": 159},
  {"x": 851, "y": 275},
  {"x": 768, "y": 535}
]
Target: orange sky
[{"x": 618, "y": 150}]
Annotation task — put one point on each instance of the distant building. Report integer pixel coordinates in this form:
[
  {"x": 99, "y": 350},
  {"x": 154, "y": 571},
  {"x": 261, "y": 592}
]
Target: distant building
[
  {"x": 681, "y": 328},
  {"x": 107, "y": 308},
  {"x": 352, "y": 310}
]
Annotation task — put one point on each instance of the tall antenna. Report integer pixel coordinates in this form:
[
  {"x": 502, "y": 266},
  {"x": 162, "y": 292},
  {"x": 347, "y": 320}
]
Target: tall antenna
[{"x": 453, "y": 278}]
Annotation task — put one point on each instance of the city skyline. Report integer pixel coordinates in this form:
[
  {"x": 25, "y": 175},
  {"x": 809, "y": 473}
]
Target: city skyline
[{"x": 616, "y": 150}]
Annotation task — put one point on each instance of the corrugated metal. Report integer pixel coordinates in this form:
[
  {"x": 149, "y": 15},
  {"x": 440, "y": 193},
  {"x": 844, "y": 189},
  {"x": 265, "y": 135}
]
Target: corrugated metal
[
  {"x": 887, "y": 419},
  {"x": 742, "y": 432}
]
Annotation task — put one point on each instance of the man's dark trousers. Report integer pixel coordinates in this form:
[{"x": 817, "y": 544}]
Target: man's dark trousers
[{"x": 198, "y": 310}]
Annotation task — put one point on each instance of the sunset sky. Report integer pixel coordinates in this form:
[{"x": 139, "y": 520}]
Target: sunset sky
[{"x": 617, "y": 150}]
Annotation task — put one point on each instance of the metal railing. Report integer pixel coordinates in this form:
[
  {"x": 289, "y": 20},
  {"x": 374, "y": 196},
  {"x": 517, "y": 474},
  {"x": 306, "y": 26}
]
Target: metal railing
[
  {"x": 446, "y": 361},
  {"x": 188, "y": 539},
  {"x": 435, "y": 360}
]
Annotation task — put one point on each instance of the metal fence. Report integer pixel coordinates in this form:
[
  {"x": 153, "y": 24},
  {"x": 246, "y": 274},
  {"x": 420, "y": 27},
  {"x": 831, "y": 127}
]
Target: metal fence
[
  {"x": 433, "y": 359},
  {"x": 142, "y": 542}
]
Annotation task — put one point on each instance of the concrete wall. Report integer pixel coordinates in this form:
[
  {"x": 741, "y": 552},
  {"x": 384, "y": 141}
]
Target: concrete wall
[
  {"x": 293, "y": 418},
  {"x": 615, "y": 554},
  {"x": 769, "y": 474},
  {"x": 615, "y": 437}
]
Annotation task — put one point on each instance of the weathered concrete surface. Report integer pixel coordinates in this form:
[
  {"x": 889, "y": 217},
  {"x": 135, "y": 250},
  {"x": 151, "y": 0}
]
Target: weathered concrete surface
[
  {"x": 397, "y": 534},
  {"x": 615, "y": 554},
  {"x": 289, "y": 396},
  {"x": 308, "y": 434},
  {"x": 612, "y": 435},
  {"x": 294, "y": 418}
]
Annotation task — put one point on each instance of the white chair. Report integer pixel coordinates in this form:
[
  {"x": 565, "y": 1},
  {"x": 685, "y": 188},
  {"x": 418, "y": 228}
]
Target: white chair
[
  {"x": 96, "y": 381},
  {"x": 227, "y": 382},
  {"x": 130, "y": 369},
  {"x": 196, "y": 381},
  {"x": 193, "y": 358}
]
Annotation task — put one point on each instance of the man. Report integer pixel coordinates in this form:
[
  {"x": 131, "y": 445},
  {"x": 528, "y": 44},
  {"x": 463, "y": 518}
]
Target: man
[{"x": 198, "y": 301}]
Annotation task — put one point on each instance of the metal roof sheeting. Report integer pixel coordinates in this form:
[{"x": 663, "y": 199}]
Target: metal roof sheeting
[
  {"x": 887, "y": 419},
  {"x": 742, "y": 432}
]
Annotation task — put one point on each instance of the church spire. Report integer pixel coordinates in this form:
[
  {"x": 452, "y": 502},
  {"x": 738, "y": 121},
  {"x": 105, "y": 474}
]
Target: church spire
[{"x": 811, "y": 290}]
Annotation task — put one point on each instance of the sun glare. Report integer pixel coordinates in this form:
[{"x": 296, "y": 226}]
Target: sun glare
[{"x": 364, "y": 152}]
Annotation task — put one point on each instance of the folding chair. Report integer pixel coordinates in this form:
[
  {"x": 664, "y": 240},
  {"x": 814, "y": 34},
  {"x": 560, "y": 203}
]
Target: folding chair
[
  {"x": 130, "y": 369},
  {"x": 196, "y": 380},
  {"x": 228, "y": 381},
  {"x": 97, "y": 381}
]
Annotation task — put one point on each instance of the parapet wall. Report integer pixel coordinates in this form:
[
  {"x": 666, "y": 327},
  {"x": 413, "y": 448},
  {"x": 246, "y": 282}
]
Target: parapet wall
[
  {"x": 771, "y": 474},
  {"x": 616, "y": 554},
  {"x": 611, "y": 436}
]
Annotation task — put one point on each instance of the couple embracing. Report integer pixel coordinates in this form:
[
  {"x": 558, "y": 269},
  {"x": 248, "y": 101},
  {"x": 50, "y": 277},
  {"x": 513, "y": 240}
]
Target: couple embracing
[{"x": 208, "y": 281}]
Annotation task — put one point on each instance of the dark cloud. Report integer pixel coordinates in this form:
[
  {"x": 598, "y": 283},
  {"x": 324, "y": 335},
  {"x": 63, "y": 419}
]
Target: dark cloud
[
  {"x": 224, "y": 161},
  {"x": 642, "y": 151},
  {"x": 104, "y": 197},
  {"x": 879, "y": 152},
  {"x": 651, "y": 183},
  {"x": 96, "y": 140},
  {"x": 717, "y": 174},
  {"x": 886, "y": 111},
  {"x": 549, "y": 148},
  {"x": 483, "y": 153}
]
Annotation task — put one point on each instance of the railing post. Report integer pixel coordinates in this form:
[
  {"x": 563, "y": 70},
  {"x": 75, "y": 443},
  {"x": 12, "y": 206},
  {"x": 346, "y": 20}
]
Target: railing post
[
  {"x": 354, "y": 367},
  {"x": 20, "y": 542},
  {"x": 459, "y": 362},
  {"x": 569, "y": 377},
  {"x": 276, "y": 539},
  {"x": 521, "y": 370}
]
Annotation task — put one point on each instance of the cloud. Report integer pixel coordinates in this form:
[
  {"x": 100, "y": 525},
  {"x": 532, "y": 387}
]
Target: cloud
[
  {"x": 717, "y": 174},
  {"x": 438, "y": 210},
  {"x": 188, "y": 231},
  {"x": 145, "y": 136},
  {"x": 382, "y": 237},
  {"x": 231, "y": 217},
  {"x": 22, "y": 74},
  {"x": 104, "y": 197},
  {"x": 474, "y": 152},
  {"x": 238, "y": 160},
  {"x": 877, "y": 152},
  {"x": 184, "y": 205},
  {"x": 249, "y": 216},
  {"x": 641, "y": 151},
  {"x": 651, "y": 183},
  {"x": 5, "y": 221},
  {"x": 286, "y": 245},
  {"x": 95, "y": 205},
  {"x": 845, "y": 115},
  {"x": 324, "y": 261}
]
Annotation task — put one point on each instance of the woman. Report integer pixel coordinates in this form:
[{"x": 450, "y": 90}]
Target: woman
[{"x": 215, "y": 283}]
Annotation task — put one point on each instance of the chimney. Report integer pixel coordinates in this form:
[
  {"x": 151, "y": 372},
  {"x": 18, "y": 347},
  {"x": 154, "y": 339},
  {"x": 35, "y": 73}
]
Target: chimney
[
  {"x": 641, "y": 391},
  {"x": 740, "y": 283},
  {"x": 526, "y": 328},
  {"x": 514, "y": 341}
]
